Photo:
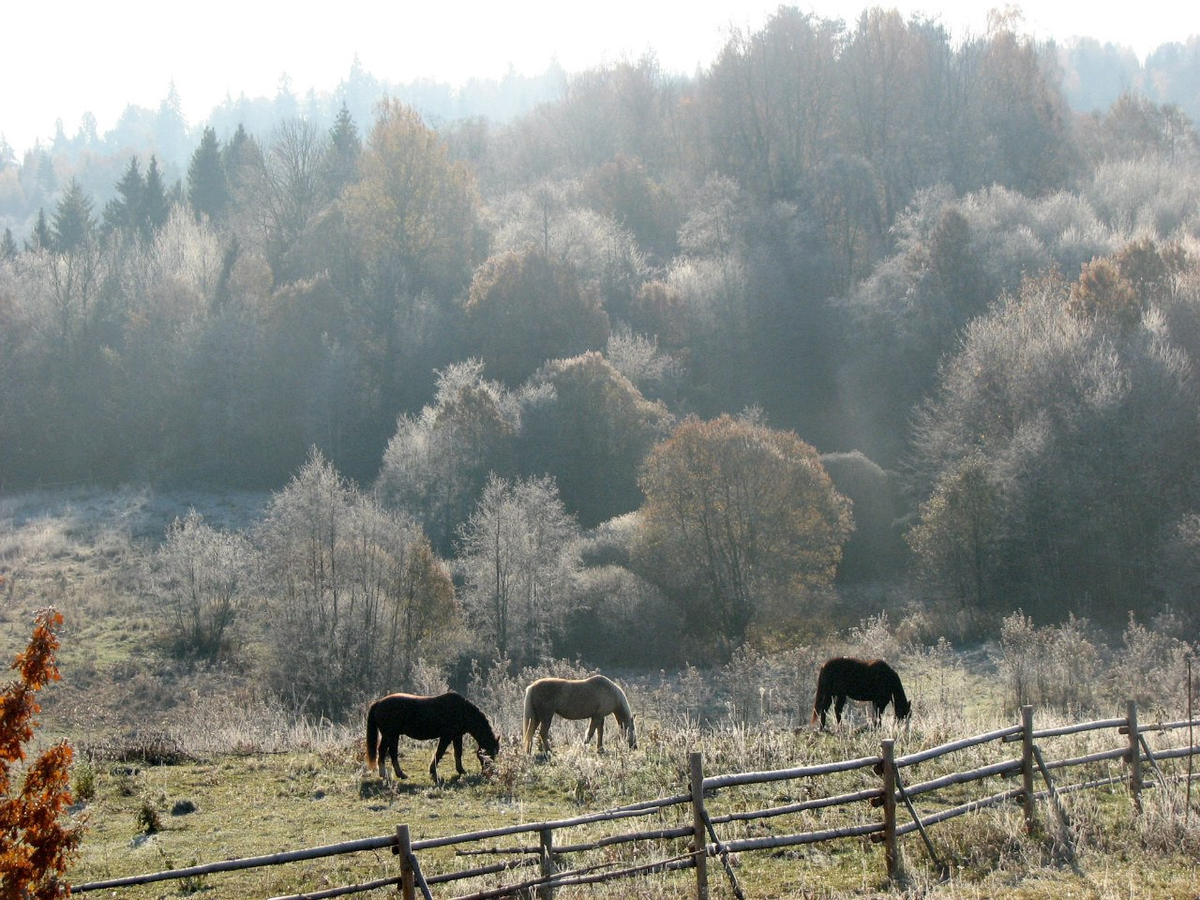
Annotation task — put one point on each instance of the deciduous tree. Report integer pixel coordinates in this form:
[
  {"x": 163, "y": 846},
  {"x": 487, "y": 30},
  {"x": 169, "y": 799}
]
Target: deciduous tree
[
  {"x": 592, "y": 429},
  {"x": 525, "y": 309},
  {"x": 412, "y": 206},
  {"x": 201, "y": 581},
  {"x": 437, "y": 462},
  {"x": 519, "y": 555},
  {"x": 742, "y": 528},
  {"x": 348, "y": 583}
]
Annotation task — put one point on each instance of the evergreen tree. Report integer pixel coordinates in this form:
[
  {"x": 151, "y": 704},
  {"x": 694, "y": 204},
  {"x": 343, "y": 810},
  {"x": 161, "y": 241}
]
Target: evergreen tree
[
  {"x": 47, "y": 178},
  {"x": 41, "y": 239},
  {"x": 8, "y": 245},
  {"x": 170, "y": 126},
  {"x": 155, "y": 205},
  {"x": 238, "y": 150},
  {"x": 122, "y": 212},
  {"x": 345, "y": 146},
  {"x": 73, "y": 221},
  {"x": 208, "y": 188}
]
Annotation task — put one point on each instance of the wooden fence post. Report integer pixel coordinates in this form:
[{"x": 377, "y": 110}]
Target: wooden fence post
[
  {"x": 408, "y": 887},
  {"x": 699, "y": 837},
  {"x": 889, "y": 807},
  {"x": 1135, "y": 755},
  {"x": 1027, "y": 765},
  {"x": 546, "y": 891}
]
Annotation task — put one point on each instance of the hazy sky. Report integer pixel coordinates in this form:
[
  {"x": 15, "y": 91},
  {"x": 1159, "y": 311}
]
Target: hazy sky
[{"x": 61, "y": 59}]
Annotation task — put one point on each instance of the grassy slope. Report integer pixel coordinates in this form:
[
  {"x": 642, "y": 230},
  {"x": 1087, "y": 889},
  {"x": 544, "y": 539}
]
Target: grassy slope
[{"x": 73, "y": 549}]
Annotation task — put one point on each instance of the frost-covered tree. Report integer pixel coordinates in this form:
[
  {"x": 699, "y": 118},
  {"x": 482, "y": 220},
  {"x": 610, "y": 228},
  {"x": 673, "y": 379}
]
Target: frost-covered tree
[
  {"x": 350, "y": 589},
  {"x": 1060, "y": 449},
  {"x": 200, "y": 579},
  {"x": 519, "y": 554}
]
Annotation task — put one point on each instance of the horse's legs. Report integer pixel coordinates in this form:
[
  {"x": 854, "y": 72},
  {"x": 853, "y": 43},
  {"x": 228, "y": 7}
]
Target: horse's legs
[
  {"x": 382, "y": 758},
  {"x": 437, "y": 757},
  {"x": 839, "y": 706},
  {"x": 597, "y": 727},
  {"x": 821, "y": 707},
  {"x": 458, "y": 744},
  {"x": 393, "y": 752},
  {"x": 544, "y": 735}
]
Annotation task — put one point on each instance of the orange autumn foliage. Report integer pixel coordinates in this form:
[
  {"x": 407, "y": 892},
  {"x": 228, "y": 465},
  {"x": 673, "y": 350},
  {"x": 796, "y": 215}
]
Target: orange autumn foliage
[{"x": 35, "y": 842}]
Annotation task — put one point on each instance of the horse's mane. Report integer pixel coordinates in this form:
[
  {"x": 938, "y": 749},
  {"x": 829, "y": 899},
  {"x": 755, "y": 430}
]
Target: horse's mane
[
  {"x": 479, "y": 722},
  {"x": 624, "y": 713}
]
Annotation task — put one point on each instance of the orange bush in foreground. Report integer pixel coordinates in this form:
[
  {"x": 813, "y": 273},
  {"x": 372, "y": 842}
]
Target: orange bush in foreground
[{"x": 35, "y": 842}]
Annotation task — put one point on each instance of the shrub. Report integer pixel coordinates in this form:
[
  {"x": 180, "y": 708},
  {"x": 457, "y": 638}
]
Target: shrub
[{"x": 35, "y": 845}]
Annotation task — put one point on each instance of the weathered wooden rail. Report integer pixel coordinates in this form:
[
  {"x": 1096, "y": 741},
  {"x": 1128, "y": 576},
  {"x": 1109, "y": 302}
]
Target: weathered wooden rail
[{"x": 689, "y": 842}]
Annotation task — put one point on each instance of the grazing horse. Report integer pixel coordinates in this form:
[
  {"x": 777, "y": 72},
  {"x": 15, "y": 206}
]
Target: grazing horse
[
  {"x": 587, "y": 698},
  {"x": 446, "y": 717},
  {"x": 874, "y": 681}
]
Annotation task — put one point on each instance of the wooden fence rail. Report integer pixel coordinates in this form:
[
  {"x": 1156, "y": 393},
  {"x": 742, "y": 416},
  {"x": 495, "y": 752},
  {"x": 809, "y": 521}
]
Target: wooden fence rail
[{"x": 689, "y": 844}]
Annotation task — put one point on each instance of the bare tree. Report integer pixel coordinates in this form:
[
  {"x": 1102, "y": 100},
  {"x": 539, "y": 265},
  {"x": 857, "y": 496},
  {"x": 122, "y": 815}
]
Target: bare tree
[
  {"x": 201, "y": 580},
  {"x": 352, "y": 592},
  {"x": 519, "y": 555}
]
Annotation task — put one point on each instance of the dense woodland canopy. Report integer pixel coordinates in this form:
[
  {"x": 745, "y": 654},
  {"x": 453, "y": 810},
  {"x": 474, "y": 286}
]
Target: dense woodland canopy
[{"x": 965, "y": 273}]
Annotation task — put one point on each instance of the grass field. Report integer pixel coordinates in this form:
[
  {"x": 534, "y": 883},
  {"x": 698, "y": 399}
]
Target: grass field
[
  {"x": 145, "y": 818},
  {"x": 244, "y": 776}
]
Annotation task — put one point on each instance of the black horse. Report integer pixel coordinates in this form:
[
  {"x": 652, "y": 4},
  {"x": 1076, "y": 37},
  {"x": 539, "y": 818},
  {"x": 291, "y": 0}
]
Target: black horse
[
  {"x": 446, "y": 717},
  {"x": 874, "y": 681}
]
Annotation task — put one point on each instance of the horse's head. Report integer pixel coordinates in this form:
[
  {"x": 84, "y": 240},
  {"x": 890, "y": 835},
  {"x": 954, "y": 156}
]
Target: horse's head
[
  {"x": 487, "y": 751},
  {"x": 631, "y": 733},
  {"x": 903, "y": 707}
]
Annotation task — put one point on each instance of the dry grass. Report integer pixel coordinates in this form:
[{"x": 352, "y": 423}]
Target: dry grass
[
  {"x": 256, "y": 802},
  {"x": 248, "y": 775}
]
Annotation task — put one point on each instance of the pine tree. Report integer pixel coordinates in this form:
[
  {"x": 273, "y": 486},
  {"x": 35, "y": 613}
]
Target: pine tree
[
  {"x": 155, "y": 205},
  {"x": 8, "y": 245},
  {"x": 41, "y": 239},
  {"x": 73, "y": 221},
  {"x": 345, "y": 147},
  {"x": 123, "y": 212},
  {"x": 208, "y": 189}
]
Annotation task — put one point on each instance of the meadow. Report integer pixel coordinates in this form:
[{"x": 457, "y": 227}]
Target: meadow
[{"x": 177, "y": 766}]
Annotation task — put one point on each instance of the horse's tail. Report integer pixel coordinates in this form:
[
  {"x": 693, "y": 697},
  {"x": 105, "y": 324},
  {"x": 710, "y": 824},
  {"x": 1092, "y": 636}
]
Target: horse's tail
[
  {"x": 819, "y": 699},
  {"x": 372, "y": 736},
  {"x": 529, "y": 720}
]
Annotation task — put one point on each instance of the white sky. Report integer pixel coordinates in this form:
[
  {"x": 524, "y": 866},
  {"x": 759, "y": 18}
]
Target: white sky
[{"x": 61, "y": 59}]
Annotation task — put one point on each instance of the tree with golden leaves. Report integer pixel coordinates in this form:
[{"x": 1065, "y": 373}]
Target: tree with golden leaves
[
  {"x": 35, "y": 843},
  {"x": 741, "y": 528},
  {"x": 413, "y": 207}
]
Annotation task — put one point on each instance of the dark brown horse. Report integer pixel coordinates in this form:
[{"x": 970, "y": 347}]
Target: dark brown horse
[
  {"x": 446, "y": 717},
  {"x": 859, "y": 679}
]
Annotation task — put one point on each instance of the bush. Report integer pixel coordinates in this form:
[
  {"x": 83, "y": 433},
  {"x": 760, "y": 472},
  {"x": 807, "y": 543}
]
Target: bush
[
  {"x": 1053, "y": 666},
  {"x": 35, "y": 845}
]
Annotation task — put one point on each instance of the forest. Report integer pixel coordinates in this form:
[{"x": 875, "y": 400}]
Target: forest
[{"x": 857, "y": 319}]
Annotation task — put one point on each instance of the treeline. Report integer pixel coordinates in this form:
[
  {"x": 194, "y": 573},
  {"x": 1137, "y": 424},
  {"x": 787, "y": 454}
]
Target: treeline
[{"x": 910, "y": 253}]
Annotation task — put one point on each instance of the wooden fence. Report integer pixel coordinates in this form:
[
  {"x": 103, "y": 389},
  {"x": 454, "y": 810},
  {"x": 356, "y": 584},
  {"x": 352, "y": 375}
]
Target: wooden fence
[{"x": 690, "y": 841}]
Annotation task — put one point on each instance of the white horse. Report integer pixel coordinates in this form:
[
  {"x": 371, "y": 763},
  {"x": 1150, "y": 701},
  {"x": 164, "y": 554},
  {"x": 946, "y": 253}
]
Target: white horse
[{"x": 586, "y": 698}]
